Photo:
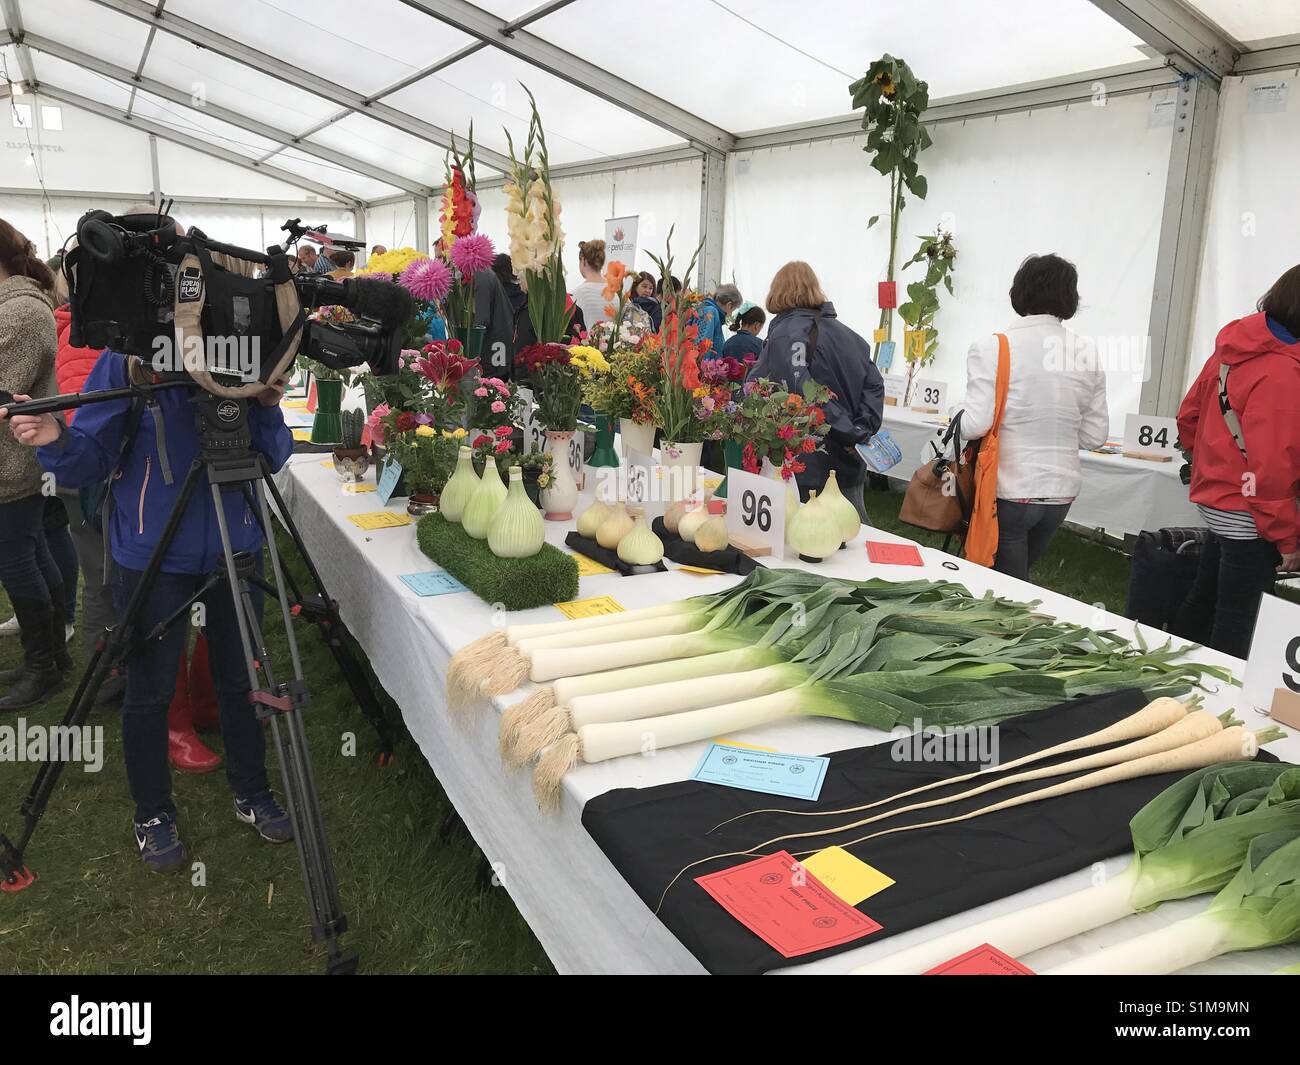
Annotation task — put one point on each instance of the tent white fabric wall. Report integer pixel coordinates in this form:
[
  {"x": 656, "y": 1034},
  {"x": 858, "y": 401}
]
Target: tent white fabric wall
[
  {"x": 1253, "y": 227},
  {"x": 393, "y": 225},
  {"x": 1085, "y": 181}
]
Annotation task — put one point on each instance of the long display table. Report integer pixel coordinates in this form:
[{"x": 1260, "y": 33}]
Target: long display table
[{"x": 580, "y": 908}]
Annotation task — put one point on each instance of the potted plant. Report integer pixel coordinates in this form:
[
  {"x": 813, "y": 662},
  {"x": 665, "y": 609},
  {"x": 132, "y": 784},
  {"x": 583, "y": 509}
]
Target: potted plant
[
  {"x": 939, "y": 256},
  {"x": 777, "y": 427},
  {"x": 723, "y": 378},
  {"x": 427, "y": 457},
  {"x": 536, "y": 468},
  {"x": 325, "y": 426},
  {"x": 350, "y": 457},
  {"x": 555, "y": 377},
  {"x": 893, "y": 100}
]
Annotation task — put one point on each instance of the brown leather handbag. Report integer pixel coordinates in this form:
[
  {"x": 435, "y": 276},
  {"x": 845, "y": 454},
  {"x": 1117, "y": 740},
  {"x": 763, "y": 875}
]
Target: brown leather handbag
[{"x": 942, "y": 491}]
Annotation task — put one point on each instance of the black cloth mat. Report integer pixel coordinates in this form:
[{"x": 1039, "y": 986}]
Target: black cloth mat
[
  {"x": 728, "y": 560},
  {"x": 606, "y": 557},
  {"x": 649, "y": 834}
]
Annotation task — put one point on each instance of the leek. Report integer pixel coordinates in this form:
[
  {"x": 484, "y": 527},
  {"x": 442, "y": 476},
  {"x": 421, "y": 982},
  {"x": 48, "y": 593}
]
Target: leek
[
  {"x": 1188, "y": 840},
  {"x": 1259, "y": 907}
]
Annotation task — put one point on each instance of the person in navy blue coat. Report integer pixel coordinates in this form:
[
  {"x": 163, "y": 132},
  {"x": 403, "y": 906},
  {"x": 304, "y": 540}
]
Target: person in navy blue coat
[{"x": 837, "y": 358}]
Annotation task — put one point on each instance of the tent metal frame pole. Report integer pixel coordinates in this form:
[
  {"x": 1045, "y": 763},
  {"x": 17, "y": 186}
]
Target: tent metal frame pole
[
  {"x": 420, "y": 204},
  {"x": 274, "y": 67},
  {"x": 234, "y": 118},
  {"x": 195, "y": 144},
  {"x": 713, "y": 208},
  {"x": 1182, "y": 231},
  {"x": 14, "y": 24},
  {"x": 156, "y": 198}
]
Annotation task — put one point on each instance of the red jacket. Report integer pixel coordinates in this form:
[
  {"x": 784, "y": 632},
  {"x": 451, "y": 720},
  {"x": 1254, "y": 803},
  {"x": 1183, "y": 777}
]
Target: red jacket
[
  {"x": 71, "y": 365},
  {"x": 1264, "y": 391}
]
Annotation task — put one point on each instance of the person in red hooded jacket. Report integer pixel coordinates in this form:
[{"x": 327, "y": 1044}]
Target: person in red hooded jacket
[{"x": 1241, "y": 423}]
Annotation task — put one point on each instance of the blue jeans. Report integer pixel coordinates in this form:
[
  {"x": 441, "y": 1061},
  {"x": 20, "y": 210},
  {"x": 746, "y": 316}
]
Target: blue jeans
[{"x": 151, "y": 680}]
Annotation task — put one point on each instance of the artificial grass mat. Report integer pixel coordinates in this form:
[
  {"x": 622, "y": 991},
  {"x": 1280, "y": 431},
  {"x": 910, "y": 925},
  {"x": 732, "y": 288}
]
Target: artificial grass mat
[{"x": 550, "y": 576}]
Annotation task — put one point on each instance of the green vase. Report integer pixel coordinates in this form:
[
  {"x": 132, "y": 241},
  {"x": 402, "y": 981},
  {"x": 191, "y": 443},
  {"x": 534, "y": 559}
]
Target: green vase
[
  {"x": 327, "y": 428},
  {"x": 604, "y": 453},
  {"x": 471, "y": 340},
  {"x": 732, "y": 452}
]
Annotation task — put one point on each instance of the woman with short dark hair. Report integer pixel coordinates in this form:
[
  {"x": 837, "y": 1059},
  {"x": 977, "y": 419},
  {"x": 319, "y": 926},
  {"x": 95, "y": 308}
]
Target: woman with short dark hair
[
  {"x": 1056, "y": 404},
  {"x": 1241, "y": 423}
]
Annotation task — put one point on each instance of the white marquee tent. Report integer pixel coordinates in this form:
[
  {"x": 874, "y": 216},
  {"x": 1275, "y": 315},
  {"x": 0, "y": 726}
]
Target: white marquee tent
[{"x": 1151, "y": 141}]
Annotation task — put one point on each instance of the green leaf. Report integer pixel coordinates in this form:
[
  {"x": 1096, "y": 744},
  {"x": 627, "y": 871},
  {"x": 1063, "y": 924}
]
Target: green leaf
[
  {"x": 918, "y": 186},
  {"x": 873, "y": 220}
]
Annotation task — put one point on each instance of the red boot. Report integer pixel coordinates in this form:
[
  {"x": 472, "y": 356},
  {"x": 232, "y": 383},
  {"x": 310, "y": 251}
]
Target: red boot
[
  {"x": 185, "y": 750},
  {"x": 203, "y": 697}
]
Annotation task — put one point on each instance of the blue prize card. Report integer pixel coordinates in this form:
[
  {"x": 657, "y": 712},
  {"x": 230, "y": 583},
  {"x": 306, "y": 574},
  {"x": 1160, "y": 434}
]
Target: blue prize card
[
  {"x": 435, "y": 582},
  {"x": 795, "y": 776},
  {"x": 388, "y": 480},
  {"x": 884, "y": 355}
]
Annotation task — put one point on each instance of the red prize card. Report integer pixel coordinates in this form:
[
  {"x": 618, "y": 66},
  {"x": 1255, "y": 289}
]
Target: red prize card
[
  {"x": 887, "y": 294},
  {"x": 893, "y": 554},
  {"x": 787, "y": 907},
  {"x": 984, "y": 960}
]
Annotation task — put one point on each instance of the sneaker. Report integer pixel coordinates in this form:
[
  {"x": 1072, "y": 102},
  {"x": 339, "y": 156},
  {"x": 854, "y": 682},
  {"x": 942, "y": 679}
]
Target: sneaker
[
  {"x": 160, "y": 844},
  {"x": 267, "y": 816},
  {"x": 69, "y": 631},
  {"x": 10, "y": 627}
]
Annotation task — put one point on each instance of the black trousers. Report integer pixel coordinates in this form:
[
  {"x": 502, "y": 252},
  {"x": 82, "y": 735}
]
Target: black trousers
[
  {"x": 1024, "y": 531},
  {"x": 1221, "y": 608}
]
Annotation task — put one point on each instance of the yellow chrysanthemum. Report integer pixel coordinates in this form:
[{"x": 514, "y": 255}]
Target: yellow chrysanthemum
[
  {"x": 392, "y": 262},
  {"x": 424, "y": 430}
]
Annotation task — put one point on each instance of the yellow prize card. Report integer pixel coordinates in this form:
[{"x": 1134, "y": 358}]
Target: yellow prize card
[
  {"x": 850, "y": 878},
  {"x": 590, "y": 608},
  {"x": 380, "y": 519}
]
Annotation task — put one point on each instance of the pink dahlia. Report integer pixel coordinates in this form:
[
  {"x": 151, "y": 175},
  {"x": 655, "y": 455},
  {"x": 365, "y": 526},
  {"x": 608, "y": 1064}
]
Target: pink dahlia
[
  {"x": 472, "y": 254},
  {"x": 426, "y": 279}
]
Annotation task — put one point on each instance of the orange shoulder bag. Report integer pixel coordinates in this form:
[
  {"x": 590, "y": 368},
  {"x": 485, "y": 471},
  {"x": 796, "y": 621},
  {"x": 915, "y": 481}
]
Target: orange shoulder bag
[{"x": 982, "y": 536}]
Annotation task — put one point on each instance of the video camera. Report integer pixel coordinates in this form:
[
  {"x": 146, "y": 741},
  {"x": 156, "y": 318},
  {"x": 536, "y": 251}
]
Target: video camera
[{"x": 230, "y": 318}]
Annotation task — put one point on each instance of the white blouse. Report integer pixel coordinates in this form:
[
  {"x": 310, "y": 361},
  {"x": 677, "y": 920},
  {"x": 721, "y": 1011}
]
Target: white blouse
[{"x": 1056, "y": 404}]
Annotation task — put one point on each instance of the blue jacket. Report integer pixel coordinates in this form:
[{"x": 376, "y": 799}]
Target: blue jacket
[
  {"x": 87, "y": 452},
  {"x": 740, "y": 345},
  {"x": 709, "y": 318},
  {"x": 841, "y": 362}
]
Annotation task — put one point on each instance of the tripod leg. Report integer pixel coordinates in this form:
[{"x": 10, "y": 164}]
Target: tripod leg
[
  {"x": 324, "y": 612},
  {"x": 111, "y": 651},
  {"x": 282, "y": 703}
]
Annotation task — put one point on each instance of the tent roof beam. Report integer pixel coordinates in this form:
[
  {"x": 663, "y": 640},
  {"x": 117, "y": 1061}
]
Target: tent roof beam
[
  {"x": 234, "y": 118},
  {"x": 274, "y": 67},
  {"x": 538, "y": 52},
  {"x": 165, "y": 133},
  {"x": 1194, "y": 45}
]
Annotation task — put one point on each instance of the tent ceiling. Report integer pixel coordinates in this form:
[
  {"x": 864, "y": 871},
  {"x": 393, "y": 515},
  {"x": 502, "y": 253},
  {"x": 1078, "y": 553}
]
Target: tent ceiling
[{"x": 365, "y": 101}]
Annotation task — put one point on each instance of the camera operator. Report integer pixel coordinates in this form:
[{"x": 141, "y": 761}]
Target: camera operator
[
  {"x": 141, "y": 497},
  {"x": 28, "y": 341}
]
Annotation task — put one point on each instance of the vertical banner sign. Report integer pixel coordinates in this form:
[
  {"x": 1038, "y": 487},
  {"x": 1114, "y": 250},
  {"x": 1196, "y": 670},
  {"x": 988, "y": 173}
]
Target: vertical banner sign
[
  {"x": 756, "y": 510},
  {"x": 620, "y": 239}
]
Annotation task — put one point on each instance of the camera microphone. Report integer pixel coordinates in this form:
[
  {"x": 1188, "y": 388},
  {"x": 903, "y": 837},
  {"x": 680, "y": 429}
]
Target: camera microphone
[{"x": 387, "y": 303}]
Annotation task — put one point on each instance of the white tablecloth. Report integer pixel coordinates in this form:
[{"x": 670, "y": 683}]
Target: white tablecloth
[
  {"x": 581, "y": 909},
  {"x": 1120, "y": 495}
]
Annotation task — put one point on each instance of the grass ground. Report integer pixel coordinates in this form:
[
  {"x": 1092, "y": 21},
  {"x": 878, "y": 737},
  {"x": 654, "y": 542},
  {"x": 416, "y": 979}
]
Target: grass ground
[{"x": 410, "y": 896}]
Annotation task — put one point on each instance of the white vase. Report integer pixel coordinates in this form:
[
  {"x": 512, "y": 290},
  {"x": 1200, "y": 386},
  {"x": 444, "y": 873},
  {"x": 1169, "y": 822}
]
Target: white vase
[
  {"x": 682, "y": 463},
  {"x": 636, "y": 436},
  {"x": 560, "y": 496}
]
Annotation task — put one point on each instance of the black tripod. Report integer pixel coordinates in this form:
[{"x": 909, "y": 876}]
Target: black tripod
[{"x": 231, "y": 465}]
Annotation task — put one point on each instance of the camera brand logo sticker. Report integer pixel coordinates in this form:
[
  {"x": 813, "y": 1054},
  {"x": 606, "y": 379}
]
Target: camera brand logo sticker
[
  {"x": 121, "y": 1019},
  {"x": 190, "y": 286},
  {"x": 228, "y": 411}
]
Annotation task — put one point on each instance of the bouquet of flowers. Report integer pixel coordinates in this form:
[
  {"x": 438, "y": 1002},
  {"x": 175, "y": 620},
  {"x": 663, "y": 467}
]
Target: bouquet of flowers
[
  {"x": 536, "y": 239},
  {"x": 493, "y": 406},
  {"x": 427, "y": 455},
  {"x": 556, "y": 381},
  {"x": 607, "y": 338},
  {"x": 781, "y": 426},
  {"x": 676, "y": 410}
]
